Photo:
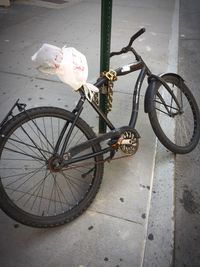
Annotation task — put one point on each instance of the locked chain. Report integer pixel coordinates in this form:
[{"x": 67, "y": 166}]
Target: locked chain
[
  {"x": 109, "y": 96},
  {"x": 108, "y": 89},
  {"x": 111, "y": 75},
  {"x": 96, "y": 98}
]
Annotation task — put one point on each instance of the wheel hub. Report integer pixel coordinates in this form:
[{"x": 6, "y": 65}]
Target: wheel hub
[{"x": 54, "y": 164}]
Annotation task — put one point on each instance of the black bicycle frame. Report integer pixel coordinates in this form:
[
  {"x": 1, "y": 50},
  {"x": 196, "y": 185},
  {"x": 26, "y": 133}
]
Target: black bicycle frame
[{"x": 113, "y": 133}]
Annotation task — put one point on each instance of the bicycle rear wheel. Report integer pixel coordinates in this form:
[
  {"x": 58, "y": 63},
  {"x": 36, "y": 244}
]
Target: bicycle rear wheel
[
  {"x": 175, "y": 115},
  {"x": 33, "y": 193}
]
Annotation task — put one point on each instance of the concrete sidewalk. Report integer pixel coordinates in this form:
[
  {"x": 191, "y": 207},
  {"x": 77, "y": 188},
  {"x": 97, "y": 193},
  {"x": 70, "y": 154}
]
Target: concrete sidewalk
[{"x": 113, "y": 231}]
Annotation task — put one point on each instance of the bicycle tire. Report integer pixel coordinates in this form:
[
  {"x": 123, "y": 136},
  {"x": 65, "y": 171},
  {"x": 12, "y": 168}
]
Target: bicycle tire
[
  {"x": 60, "y": 196},
  {"x": 175, "y": 132}
]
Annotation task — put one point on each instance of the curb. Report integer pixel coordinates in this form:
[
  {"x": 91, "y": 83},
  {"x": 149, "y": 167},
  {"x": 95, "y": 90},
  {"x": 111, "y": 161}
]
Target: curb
[
  {"x": 159, "y": 243},
  {"x": 160, "y": 228}
]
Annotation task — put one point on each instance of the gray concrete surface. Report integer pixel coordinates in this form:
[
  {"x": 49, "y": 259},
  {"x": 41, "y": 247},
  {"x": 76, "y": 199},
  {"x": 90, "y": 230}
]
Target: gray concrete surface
[
  {"x": 187, "y": 182},
  {"x": 119, "y": 228},
  {"x": 160, "y": 235}
]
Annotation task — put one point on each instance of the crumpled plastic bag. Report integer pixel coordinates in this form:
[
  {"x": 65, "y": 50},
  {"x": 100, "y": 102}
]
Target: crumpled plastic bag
[
  {"x": 48, "y": 58},
  {"x": 68, "y": 64}
]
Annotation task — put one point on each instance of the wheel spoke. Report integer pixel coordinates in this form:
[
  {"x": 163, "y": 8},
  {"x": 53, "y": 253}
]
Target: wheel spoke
[
  {"x": 43, "y": 195},
  {"x": 174, "y": 116},
  {"x": 62, "y": 193},
  {"x": 20, "y": 185},
  {"x": 25, "y": 154},
  {"x": 69, "y": 186},
  {"x": 30, "y": 147},
  {"x": 77, "y": 141},
  {"x": 31, "y": 139},
  {"x": 57, "y": 190},
  {"x": 44, "y": 135},
  {"x": 19, "y": 174}
]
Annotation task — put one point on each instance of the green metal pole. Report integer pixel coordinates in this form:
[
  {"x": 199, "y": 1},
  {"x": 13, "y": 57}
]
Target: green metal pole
[{"x": 106, "y": 22}]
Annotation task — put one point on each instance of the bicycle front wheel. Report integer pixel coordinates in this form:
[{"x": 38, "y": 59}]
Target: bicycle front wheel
[
  {"x": 175, "y": 115},
  {"x": 31, "y": 191}
]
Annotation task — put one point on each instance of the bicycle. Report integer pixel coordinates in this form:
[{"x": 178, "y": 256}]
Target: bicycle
[{"x": 52, "y": 161}]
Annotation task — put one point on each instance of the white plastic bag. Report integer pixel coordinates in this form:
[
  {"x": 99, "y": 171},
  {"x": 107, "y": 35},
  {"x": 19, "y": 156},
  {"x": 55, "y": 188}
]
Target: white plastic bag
[
  {"x": 48, "y": 58},
  {"x": 73, "y": 69},
  {"x": 68, "y": 64}
]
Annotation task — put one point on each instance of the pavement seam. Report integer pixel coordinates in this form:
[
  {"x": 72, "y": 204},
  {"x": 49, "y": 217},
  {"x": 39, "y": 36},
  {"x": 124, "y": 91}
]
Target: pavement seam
[
  {"x": 149, "y": 201},
  {"x": 48, "y": 5},
  {"x": 114, "y": 216},
  {"x": 29, "y": 76},
  {"x": 51, "y": 80},
  {"x": 189, "y": 39}
]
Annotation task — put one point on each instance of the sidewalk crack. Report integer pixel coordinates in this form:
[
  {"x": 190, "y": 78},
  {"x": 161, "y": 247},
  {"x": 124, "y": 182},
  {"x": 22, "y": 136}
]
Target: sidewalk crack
[{"x": 114, "y": 216}]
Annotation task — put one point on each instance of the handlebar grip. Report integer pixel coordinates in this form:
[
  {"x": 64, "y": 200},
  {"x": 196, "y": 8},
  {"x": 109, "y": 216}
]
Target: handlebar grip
[
  {"x": 136, "y": 35},
  {"x": 128, "y": 47},
  {"x": 115, "y": 53}
]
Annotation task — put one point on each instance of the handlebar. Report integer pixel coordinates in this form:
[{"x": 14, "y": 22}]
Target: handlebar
[
  {"x": 135, "y": 36},
  {"x": 128, "y": 47}
]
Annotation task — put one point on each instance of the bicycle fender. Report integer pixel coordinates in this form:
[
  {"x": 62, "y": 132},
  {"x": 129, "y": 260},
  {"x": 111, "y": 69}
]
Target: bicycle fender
[
  {"x": 148, "y": 100},
  {"x": 150, "y": 92},
  {"x": 171, "y": 74}
]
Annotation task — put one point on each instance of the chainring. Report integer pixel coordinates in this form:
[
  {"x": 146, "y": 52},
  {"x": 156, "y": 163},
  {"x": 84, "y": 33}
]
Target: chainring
[{"x": 129, "y": 142}]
